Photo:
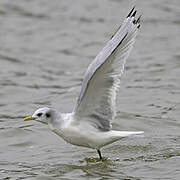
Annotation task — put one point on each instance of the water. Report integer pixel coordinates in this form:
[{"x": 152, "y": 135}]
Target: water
[{"x": 44, "y": 51}]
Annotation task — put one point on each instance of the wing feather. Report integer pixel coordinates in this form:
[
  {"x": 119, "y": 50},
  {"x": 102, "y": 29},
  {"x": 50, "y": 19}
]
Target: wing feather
[{"x": 97, "y": 99}]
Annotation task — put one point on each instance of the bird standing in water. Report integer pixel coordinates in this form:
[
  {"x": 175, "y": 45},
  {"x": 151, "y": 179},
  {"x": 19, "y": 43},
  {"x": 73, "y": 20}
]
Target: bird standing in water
[{"x": 89, "y": 125}]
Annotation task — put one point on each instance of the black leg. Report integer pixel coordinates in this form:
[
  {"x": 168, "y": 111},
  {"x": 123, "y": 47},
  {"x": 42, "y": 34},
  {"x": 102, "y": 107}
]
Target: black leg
[{"x": 99, "y": 152}]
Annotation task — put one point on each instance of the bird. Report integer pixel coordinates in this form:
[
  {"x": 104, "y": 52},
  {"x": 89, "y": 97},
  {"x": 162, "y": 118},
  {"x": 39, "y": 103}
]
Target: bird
[{"x": 90, "y": 123}]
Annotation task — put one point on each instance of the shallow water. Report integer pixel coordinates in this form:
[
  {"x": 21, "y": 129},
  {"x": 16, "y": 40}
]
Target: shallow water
[{"x": 45, "y": 49}]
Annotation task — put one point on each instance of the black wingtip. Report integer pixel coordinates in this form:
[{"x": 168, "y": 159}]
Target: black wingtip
[
  {"x": 130, "y": 12},
  {"x": 133, "y": 15},
  {"x": 138, "y": 20},
  {"x": 138, "y": 26},
  {"x": 134, "y": 21}
]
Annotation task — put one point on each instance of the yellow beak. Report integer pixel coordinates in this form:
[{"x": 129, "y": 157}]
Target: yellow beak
[{"x": 29, "y": 118}]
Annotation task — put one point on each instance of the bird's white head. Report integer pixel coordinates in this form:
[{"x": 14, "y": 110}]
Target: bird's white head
[{"x": 44, "y": 115}]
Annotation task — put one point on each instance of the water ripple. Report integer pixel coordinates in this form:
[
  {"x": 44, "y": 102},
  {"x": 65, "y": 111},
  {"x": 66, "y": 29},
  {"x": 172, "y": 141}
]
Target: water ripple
[{"x": 10, "y": 59}]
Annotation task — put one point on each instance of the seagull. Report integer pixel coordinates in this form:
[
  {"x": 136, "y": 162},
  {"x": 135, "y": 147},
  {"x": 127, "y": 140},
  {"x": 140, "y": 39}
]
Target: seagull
[{"x": 89, "y": 124}]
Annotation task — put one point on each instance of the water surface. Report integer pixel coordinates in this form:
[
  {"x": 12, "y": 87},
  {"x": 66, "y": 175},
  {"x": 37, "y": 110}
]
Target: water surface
[{"x": 45, "y": 49}]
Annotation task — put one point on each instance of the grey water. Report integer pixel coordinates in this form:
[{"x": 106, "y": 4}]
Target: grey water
[{"x": 45, "y": 48}]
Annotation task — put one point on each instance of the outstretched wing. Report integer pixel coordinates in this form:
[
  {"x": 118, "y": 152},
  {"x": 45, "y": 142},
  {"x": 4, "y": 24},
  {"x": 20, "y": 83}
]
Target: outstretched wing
[{"x": 96, "y": 102}]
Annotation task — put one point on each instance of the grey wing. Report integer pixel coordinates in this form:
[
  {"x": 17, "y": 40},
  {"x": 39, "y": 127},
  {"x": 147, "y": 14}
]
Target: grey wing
[{"x": 96, "y": 102}]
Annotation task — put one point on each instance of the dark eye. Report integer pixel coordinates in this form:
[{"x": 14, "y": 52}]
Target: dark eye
[
  {"x": 39, "y": 114},
  {"x": 48, "y": 115}
]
